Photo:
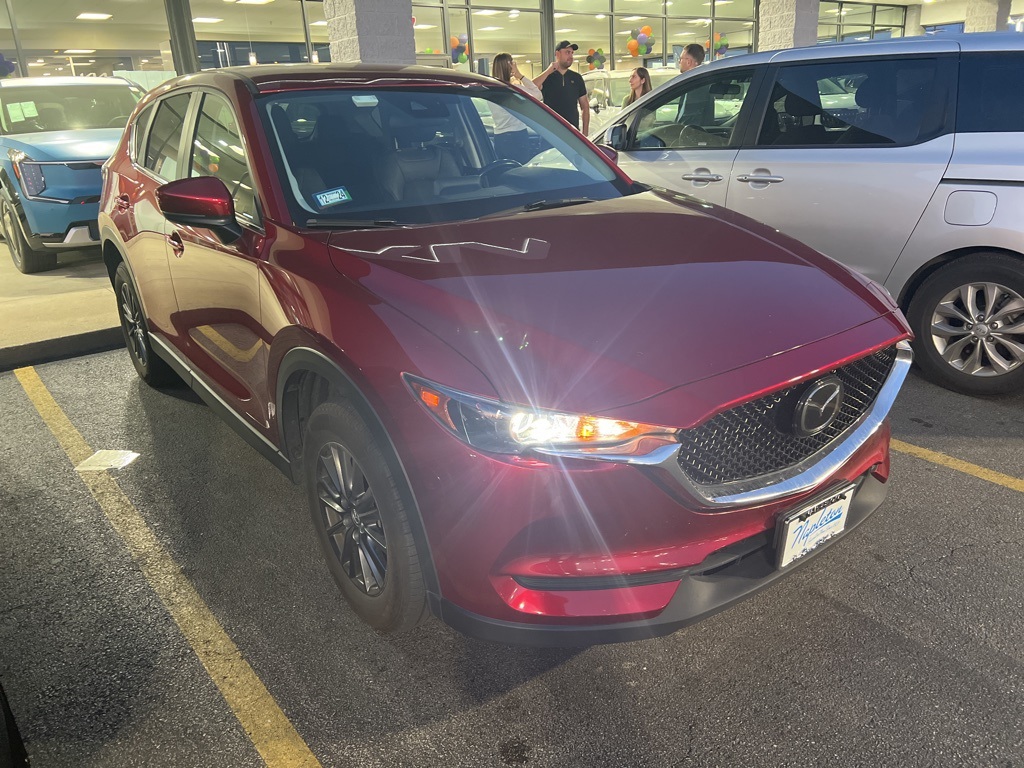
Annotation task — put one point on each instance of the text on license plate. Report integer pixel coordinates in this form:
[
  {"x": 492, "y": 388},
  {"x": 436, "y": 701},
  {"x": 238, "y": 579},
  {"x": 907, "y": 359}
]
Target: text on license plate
[{"x": 807, "y": 528}]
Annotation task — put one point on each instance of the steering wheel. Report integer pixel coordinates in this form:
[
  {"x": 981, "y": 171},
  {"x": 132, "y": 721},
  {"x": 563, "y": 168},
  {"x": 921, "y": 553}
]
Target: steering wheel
[{"x": 490, "y": 172}]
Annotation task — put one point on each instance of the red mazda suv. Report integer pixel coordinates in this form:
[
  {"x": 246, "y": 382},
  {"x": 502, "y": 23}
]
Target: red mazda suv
[{"x": 544, "y": 403}]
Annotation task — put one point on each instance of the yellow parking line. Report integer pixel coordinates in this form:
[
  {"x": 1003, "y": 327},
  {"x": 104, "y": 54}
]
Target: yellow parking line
[
  {"x": 273, "y": 735},
  {"x": 998, "y": 478}
]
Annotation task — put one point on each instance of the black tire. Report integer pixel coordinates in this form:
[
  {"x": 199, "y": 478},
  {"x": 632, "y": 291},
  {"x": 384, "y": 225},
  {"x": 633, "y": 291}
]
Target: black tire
[
  {"x": 983, "y": 358},
  {"x": 363, "y": 516},
  {"x": 151, "y": 368},
  {"x": 25, "y": 258}
]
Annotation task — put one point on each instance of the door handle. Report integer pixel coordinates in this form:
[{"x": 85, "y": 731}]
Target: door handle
[
  {"x": 702, "y": 177},
  {"x": 123, "y": 203},
  {"x": 757, "y": 179},
  {"x": 177, "y": 246}
]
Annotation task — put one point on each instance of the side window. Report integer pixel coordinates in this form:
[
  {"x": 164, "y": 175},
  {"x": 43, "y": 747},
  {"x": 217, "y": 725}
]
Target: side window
[
  {"x": 991, "y": 94},
  {"x": 697, "y": 115},
  {"x": 139, "y": 132},
  {"x": 165, "y": 136},
  {"x": 875, "y": 102},
  {"x": 217, "y": 151}
]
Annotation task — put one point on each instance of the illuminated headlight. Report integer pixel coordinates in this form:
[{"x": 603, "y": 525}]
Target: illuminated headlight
[
  {"x": 28, "y": 173},
  {"x": 498, "y": 427}
]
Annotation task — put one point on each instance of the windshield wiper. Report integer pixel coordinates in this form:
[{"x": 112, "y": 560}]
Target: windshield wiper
[
  {"x": 352, "y": 223},
  {"x": 543, "y": 205}
]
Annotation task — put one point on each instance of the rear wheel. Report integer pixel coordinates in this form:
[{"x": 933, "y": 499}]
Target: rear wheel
[
  {"x": 25, "y": 257},
  {"x": 151, "y": 369},
  {"x": 361, "y": 520},
  {"x": 969, "y": 322}
]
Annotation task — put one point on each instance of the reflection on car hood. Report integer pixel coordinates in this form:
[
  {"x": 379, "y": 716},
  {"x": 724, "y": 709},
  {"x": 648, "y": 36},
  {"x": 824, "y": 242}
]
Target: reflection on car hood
[
  {"x": 599, "y": 305},
  {"x": 66, "y": 146}
]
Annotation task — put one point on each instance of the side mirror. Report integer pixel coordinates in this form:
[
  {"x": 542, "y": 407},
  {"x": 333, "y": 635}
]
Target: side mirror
[
  {"x": 615, "y": 137},
  {"x": 204, "y": 202},
  {"x": 609, "y": 152}
]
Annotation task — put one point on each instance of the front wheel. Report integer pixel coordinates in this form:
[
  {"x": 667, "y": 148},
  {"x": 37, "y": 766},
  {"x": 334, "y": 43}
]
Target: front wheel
[
  {"x": 361, "y": 521},
  {"x": 25, "y": 257},
  {"x": 969, "y": 322}
]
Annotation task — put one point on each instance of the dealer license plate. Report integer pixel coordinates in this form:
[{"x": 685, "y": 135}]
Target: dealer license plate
[{"x": 809, "y": 527}]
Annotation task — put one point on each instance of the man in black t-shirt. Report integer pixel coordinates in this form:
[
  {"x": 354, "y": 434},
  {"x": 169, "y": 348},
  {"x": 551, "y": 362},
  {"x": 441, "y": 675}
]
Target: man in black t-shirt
[{"x": 564, "y": 90}]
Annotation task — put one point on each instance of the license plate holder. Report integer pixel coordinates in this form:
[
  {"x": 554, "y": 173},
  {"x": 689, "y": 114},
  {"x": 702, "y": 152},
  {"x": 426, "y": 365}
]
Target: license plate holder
[{"x": 804, "y": 530}]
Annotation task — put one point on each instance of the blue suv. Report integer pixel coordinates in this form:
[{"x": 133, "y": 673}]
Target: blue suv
[{"x": 55, "y": 134}]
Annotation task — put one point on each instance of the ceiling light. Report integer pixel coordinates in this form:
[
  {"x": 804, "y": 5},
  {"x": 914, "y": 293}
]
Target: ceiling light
[
  {"x": 486, "y": 13},
  {"x": 600, "y": 16},
  {"x": 489, "y": 29},
  {"x": 254, "y": 2},
  {"x": 319, "y": 24},
  {"x": 144, "y": 61},
  {"x": 632, "y": 18},
  {"x": 94, "y": 16},
  {"x": 80, "y": 50},
  {"x": 563, "y": 31},
  {"x": 34, "y": 63},
  {"x": 419, "y": 26},
  {"x": 40, "y": 61},
  {"x": 561, "y": 15},
  {"x": 205, "y": 20}
]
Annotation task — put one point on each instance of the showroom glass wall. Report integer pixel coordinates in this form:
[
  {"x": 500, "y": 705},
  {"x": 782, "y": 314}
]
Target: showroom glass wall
[{"x": 843, "y": 22}]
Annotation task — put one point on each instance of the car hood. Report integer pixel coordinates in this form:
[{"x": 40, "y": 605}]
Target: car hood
[
  {"x": 66, "y": 146},
  {"x": 600, "y": 305}
]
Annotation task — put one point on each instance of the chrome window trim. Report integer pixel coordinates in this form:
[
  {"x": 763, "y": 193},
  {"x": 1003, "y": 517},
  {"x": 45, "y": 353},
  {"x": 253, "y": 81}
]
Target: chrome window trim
[{"x": 800, "y": 477}]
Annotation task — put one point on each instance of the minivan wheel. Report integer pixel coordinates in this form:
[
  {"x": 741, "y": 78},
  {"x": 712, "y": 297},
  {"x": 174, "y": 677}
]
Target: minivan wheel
[
  {"x": 361, "y": 520},
  {"x": 151, "y": 369},
  {"x": 25, "y": 257},
  {"x": 969, "y": 322}
]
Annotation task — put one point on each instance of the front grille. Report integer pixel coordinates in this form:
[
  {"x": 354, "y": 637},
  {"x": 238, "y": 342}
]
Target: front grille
[{"x": 755, "y": 438}]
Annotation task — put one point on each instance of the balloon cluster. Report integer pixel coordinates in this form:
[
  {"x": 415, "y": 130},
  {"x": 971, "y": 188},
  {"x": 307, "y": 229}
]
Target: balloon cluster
[
  {"x": 596, "y": 58},
  {"x": 721, "y": 45},
  {"x": 7, "y": 68},
  {"x": 640, "y": 41},
  {"x": 460, "y": 48}
]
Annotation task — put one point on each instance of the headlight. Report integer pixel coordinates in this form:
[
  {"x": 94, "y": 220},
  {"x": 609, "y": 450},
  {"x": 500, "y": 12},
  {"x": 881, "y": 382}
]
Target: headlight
[
  {"x": 498, "y": 427},
  {"x": 28, "y": 173}
]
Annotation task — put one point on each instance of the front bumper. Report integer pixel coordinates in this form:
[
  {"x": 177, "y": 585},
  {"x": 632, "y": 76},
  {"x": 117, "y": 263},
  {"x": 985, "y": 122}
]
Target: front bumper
[{"x": 725, "y": 577}]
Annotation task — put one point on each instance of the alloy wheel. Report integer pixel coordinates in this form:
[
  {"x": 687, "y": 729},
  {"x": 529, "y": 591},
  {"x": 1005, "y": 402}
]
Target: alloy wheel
[
  {"x": 351, "y": 519},
  {"x": 978, "y": 329},
  {"x": 135, "y": 331}
]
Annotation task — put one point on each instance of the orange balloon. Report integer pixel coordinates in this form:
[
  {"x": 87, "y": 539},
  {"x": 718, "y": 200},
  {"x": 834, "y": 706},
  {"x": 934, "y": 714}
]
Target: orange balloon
[
  {"x": 454, "y": 41},
  {"x": 646, "y": 30},
  {"x": 591, "y": 52},
  {"x": 632, "y": 45}
]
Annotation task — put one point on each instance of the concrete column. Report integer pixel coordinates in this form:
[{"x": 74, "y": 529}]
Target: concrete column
[
  {"x": 912, "y": 25},
  {"x": 787, "y": 24},
  {"x": 986, "y": 15},
  {"x": 371, "y": 31}
]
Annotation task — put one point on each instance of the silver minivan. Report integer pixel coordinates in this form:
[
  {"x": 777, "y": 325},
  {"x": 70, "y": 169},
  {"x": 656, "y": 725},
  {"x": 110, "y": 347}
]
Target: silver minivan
[{"x": 903, "y": 159}]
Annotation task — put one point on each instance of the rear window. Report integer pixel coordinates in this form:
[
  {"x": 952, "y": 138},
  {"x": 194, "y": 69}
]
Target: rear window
[{"x": 991, "y": 95}]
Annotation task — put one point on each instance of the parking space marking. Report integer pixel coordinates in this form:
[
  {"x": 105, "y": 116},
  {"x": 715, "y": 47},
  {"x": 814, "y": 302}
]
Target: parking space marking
[
  {"x": 990, "y": 475},
  {"x": 270, "y": 731}
]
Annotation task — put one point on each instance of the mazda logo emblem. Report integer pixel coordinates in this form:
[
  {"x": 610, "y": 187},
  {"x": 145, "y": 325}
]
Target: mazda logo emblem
[{"x": 818, "y": 406}]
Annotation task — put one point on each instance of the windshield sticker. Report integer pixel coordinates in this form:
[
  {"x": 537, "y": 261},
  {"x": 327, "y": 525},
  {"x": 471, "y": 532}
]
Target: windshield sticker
[
  {"x": 332, "y": 197},
  {"x": 29, "y": 109},
  {"x": 16, "y": 113}
]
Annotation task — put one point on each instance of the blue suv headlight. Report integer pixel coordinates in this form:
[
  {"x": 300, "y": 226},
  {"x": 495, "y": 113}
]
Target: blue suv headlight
[{"x": 28, "y": 173}]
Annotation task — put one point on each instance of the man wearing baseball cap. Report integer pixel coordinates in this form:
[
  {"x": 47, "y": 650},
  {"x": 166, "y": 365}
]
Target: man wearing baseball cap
[{"x": 563, "y": 89}]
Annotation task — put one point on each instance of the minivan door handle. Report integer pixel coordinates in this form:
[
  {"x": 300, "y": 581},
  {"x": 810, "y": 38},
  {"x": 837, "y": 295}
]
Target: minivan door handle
[
  {"x": 702, "y": 176},
  {"x": 754, "y": 178}
]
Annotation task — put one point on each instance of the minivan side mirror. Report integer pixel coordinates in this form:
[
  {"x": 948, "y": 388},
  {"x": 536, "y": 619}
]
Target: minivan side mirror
[
  {"x": 615, "y": 137},
  {"x": 202, "y": 201}
]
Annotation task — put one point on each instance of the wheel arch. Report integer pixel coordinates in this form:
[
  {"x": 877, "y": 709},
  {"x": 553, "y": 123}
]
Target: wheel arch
[
  {"x": 306, "y": 378},
  {"x": 925, "y": 271}
]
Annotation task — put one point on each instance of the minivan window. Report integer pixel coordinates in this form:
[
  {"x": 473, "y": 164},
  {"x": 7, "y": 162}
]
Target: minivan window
[
  {"x": 165, "y": 136},
  {"x": 701, "y": 114},
  {"x": 877, "y": 101},
  {"x": 991, "y": 93}
]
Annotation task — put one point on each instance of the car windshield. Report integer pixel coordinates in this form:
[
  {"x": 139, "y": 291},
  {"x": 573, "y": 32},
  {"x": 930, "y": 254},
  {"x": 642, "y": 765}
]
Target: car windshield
[
  {"x": 428, "y": 154},
  {"x": 33, "y": 109}
]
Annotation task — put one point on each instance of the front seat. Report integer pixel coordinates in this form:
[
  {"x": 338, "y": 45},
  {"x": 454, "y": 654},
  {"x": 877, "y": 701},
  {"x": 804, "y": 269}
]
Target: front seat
[
  {"x": 801, "y": 128},
  {"x": 875, "y": 124},
  {"x": 416, "y": 170}
]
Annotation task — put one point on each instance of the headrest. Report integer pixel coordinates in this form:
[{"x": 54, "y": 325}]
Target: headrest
[
  {"x": 798, "y": 106},
  {"x": 871, "y": 93}
]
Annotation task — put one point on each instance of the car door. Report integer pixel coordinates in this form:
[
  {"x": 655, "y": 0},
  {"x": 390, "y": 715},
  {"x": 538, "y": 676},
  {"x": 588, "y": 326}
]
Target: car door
[
  {"x": 848, "y": 154},
  {"x": 217, "y": 283},
  {"x": 686, "y": 138},
  {"x": 155, "y": 152}
]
